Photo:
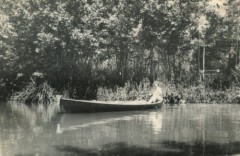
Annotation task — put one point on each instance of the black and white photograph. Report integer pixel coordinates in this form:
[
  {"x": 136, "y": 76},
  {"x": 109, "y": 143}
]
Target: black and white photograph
[{"x": 119, "y": 78}]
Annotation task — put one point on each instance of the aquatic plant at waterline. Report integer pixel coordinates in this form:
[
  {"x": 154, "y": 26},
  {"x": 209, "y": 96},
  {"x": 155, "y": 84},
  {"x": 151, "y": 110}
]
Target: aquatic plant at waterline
[{"x": 35, "y": 93}]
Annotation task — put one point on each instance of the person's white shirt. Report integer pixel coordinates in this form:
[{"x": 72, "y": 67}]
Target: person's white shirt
[
  {"x": 158, "y": 91},
  {"x": 157, "y": 94}
]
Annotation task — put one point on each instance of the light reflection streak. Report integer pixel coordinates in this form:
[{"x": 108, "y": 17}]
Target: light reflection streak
[
  {"x": 100, "y": 122},
  {"x": 155, "y": 118}
]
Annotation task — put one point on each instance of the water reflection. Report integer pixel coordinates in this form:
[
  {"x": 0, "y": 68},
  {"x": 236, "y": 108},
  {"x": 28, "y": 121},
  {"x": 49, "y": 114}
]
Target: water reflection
[
  {"x": 98, "y": 129},
  {"x": 199, "y": 129},
  {"x": 155, "y": 118},
  {"x": 21, "y": 124},
  {"x": 214, "y": 123},
  {"x": 173, "y": 149},
  {"x": 87, "y": 120},
  {"x": 35, "y": 114},
  {"x": 119, "y": 149}
]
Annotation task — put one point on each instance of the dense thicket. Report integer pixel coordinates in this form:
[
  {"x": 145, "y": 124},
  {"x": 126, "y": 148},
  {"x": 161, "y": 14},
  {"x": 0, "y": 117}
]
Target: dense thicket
[{"x": 77, "y": 45}]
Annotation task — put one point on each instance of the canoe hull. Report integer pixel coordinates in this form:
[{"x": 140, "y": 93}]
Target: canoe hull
[{"x": 84, "y": 106}]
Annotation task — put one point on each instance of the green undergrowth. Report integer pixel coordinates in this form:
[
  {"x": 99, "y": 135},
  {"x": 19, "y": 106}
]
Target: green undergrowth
[{"x": 201, "y": 94}]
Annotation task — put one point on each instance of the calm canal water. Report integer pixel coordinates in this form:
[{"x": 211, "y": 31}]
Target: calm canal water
[{"x": 193, "y": 129}]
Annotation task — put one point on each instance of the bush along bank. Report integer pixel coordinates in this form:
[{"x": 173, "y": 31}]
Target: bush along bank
[
  {"x": 35, "y": 93},
  {"x": 205, "y": 95},
  {"x": 200, "y": 94}
]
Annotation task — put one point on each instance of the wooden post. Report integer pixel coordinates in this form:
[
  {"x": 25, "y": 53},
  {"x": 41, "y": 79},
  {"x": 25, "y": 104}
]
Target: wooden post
[{"x": 204, "y": 58}]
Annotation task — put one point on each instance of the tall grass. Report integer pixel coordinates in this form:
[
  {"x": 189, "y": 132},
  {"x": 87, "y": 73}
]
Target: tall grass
[
  {"x": 35, "y": 93},
  {"x": 130, "y": 91}
]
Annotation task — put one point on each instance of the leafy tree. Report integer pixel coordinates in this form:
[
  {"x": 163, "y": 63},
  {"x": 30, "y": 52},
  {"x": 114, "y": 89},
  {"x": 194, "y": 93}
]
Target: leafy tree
[{"x": 80, "y": 44}]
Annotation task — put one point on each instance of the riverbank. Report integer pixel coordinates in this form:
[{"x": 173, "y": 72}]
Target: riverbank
[{"x": 45, "y": 94}]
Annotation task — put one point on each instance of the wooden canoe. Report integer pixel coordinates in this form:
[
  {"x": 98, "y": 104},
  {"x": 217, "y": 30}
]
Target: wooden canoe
[{"x": 86, "y": 106}]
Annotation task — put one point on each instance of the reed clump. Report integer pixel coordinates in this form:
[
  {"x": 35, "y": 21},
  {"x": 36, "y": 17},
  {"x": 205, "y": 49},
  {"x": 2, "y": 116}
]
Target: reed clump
[
  {"x": 35, "y": 93},
  {"x": 130, "y": 91}
]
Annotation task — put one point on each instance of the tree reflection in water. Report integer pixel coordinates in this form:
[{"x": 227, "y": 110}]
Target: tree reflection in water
[{"x": 35, "y": 115}]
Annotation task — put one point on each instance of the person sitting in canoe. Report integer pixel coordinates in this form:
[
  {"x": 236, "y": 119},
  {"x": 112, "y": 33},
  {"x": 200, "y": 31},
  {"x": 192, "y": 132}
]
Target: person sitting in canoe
[{"x": 157, "y": 93}]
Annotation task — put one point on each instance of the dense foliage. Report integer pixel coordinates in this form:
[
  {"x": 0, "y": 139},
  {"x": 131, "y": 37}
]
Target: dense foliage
[{"x": 79, "y": 45}]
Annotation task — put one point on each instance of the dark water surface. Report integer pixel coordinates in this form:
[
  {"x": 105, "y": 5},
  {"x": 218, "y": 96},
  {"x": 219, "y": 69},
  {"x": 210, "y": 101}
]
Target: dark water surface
[{"x": 194, "y": 129}]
